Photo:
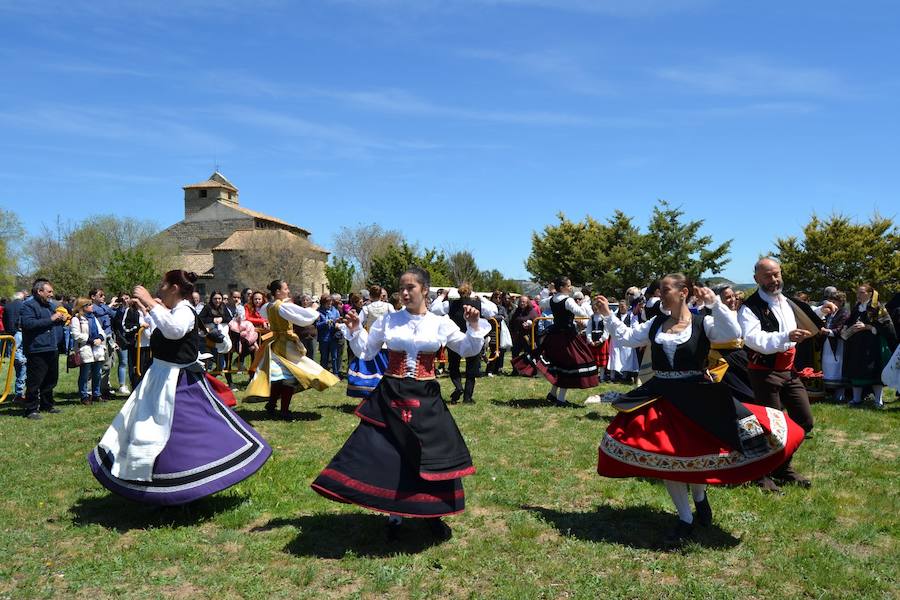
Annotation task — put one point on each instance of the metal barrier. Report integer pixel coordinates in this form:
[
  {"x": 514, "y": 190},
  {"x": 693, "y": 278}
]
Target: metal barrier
[
  {"x": 5, "y": 341},
  {"x": 534, "y": 327},
  {"x": 137, "y": 344}
]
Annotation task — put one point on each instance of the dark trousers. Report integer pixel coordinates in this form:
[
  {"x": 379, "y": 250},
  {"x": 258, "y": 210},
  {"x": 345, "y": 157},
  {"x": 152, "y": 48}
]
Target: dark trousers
[
  {"x": 146, "y": 359},
  {"x": 495, "y": 365},
  {"x": 784, "y": 391},
  {"x": 473, "y": 365},
  {"x": 43, "y": 372}
]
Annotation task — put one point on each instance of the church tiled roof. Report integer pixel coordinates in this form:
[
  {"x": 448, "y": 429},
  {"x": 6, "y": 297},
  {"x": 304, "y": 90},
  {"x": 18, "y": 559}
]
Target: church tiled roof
[{"x": 256, "y": 239}]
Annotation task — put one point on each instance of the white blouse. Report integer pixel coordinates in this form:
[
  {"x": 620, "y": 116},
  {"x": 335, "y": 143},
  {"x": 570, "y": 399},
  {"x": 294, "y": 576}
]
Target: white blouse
[
  {"x": 176, "y": 323},
  {"x": 294, "y": 313},
  {"x": 571, "y": 305},
  {"x": 403, "y": 331},
  {"x": 721, "y": 326}
]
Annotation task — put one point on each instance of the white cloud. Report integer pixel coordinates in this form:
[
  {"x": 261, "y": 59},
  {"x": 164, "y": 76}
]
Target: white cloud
[{"x": 744, "y": 76}]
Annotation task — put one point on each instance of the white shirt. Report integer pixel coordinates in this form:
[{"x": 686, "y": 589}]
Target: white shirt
[
  {"x": 721, "y": 326},
  {"x": 441, "y": 307},
  {"x": 377, "y": 305},
  {"x": 291, "y": 312},
  {"x": 176, "y": 323},
  {"x": 402, "y": 331},
  {"x": 571, "y": 305},
  {"x": 770, "y": 342}
]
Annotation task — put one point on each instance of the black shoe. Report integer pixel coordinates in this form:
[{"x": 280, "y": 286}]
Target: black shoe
[
  {"x": 468, "y": 401},
  {"x": 270, "y": 409},
  {"x": 790, "y": 477},
  {"x": 703, "y": 516},
  {"x": 678, "y": 536},
  {"x": 392, "y": 530},
  {"x": 34, "y": 415},
  {"x": 562, "y": 403},
  {"x": 768, "y": 485},
  {"x": 101, "y": 398},
  {"x": 551, "y": 398},
  {"x": 439, "y": 529},
  {"x": 86, "y": 401},
  {"x": 52, "y": 410},
  {"x": 454, "y": 397}
]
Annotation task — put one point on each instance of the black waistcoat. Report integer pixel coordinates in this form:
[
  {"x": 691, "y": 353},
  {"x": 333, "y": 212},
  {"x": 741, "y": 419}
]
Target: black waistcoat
[
  {"x": 767, "y": 322},
  {"x": 180, "y": 351},
  {"x": 562, "y": 317},
  {"x": 689, "y": 356},
  {"x": 597, "y": 328},
  {"x": 457, "y": 308}
]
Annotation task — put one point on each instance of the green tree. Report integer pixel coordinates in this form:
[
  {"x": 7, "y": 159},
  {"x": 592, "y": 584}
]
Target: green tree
[
  {"x": 836, "y": 251},
  {"x": 464, "y": 268},
  {"x": 11, "y": 235},
  {"x": 340, "y": 275},
  {"x": 568, "y": 249},
  {"x": 386, "y": 268},
  {"x": 361, "y": 244},
  {"x": 672, "y": 246},
  {"x": 130, "y": 267}
]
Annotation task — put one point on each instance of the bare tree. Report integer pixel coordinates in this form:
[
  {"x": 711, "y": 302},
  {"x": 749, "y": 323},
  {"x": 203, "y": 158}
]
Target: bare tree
[
  {"x": 276, "y": 254},
  {"x": 361, "y": 244}
]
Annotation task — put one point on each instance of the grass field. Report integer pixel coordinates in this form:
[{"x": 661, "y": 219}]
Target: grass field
[{"x": 539, "y": 522}]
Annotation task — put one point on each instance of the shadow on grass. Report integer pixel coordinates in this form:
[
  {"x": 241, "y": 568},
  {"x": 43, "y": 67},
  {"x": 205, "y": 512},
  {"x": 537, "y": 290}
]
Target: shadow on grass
[
  {"x": 345, "y": 408},
  {"x": 595, "y": 416},
  {"x": 261, "y": 415},
  {"x": 336, "y": 535},
  {"x": 636, "y": 526},
  {"x": 115, "y": 512},
  {"x": 528, "y": 403}
]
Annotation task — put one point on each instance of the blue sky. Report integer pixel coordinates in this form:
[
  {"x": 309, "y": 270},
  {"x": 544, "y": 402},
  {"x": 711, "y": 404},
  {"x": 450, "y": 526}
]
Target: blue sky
[{"x": 466, "y": 124}]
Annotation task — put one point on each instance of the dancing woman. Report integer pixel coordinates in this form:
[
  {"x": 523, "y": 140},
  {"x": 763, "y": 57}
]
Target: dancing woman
[
  {"x": 680, "y": 426},
  {"x": 564, "y": 356},
  {"x": 174, "y": 440},
  {"x": 406, "y": 457},
  {"x": 282, "y": 367},
  {"x": 363, "y": 375}
]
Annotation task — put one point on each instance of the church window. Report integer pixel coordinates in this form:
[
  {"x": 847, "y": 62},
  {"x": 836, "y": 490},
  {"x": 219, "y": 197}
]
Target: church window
[{"x": 203, "y": 193}]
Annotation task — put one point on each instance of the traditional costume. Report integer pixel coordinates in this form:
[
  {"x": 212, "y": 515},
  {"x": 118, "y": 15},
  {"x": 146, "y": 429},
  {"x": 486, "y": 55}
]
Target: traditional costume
[
  {"x": 363, "y": 376},
  {"x": 833, "y": 354},
  {"x": 174, "y": 440},
  {"x": 623, "y": 360},
  {"x": 282, "y": 367},
  {"x": 406, "y": 457},
  {"x": 598, "y": 337},
  {"x": 868, "y": 350},
  {"x": 563, "y": 356},
  {"x": 455, "y": 310},
  {"x": 684, "y": 428}
]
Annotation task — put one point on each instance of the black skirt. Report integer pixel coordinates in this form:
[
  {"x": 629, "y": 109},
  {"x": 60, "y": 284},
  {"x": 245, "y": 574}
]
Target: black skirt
[
  {"x": 406, "y": 457},
  {"x": 566, "y": 360}
]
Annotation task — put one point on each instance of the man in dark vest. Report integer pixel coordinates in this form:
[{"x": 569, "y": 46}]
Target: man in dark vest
[
  {"x": 769, "y": 322},
  {"x": 454, "y": 309}
]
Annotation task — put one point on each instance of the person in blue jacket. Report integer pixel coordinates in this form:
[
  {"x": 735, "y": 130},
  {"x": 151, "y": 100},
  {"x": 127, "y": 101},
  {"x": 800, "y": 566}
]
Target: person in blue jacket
[{"x": 39, "y": 322}]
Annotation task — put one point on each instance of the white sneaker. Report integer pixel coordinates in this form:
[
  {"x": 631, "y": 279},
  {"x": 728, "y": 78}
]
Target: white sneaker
[
  {"x": 595, "y": 399},
  {"x": 124, "y": 390}
]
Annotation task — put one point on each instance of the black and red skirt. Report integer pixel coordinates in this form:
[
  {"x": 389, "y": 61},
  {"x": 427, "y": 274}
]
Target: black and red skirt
[
  {"x": 601, "y": 354},
  {"x": 566, "y": 360},
  {"x": 406, "y": 457},
  {"x": 658, "y": 440}
]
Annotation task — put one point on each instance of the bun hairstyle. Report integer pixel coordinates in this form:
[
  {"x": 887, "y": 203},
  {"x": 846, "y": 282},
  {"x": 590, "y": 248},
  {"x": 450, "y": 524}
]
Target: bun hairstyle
[
  {"x": 183, "y": 279},
  {"x": 561, "y": 282},
  {"x": 374, "y": 292},
  {"x": 465, "y": 289},
  {"x": 680, "y": 281},
  {"x": 274, "y": 286},
  {"x": 421, "y": 275}
]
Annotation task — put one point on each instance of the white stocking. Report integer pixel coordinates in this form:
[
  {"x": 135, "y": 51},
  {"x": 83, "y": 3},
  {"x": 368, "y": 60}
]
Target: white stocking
[
  {"x": 679, "y": 493},
  {"x": 561, "y": 395},
  {"x": 877, "y": 389},
  {"x": 698, "y": 491}
]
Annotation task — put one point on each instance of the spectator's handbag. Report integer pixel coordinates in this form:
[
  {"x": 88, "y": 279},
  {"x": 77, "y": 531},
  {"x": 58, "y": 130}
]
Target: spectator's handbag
[{"x": 73, "y": 357}]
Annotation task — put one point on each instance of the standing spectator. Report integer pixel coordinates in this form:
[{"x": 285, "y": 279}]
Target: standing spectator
[
  {"x": 833, "y": 346},
  {"x": 39, "y": 322},
  {"x": 520, "y": 323},
  {"x": 90, "y": 342},
  {"x": 105, "y": 313},
  {"x": 124, "y": 339},
  {"x": 494, "y": 366},
  {"x": 328, "y": 344},
  {"x": 342, "y": 307},
  {"x": 214, "y": 315},
  {"x": 870, "y": 340},
  {"x": 252, "y": 314},
  {"x": 237, "y": 310},
  {"x": 306, "y": 333},
  {"x": 11, "y": 326}
]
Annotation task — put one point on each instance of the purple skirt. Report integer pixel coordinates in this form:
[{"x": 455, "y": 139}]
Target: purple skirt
[{"x": 209, "y": 449}]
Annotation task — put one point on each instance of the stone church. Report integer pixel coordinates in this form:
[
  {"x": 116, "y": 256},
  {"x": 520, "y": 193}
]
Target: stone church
[{"x": 231, "y": 247}]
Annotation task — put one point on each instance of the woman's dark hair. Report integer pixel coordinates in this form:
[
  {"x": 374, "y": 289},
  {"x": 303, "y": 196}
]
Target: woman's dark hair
[
  {"x": 275, "y": 286},
  {"x": 680, "y": 280},
  {"x": 374, "y": 292},
  {"x": 651, "y": 289},
  {"x": 420, "y": 274},
  {"x": 183, "y": 279},
  {"x": 561, "y": 282},
  {"x": 214, "y": 293}
]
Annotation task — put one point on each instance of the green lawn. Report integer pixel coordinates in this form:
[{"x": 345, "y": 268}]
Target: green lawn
[{"x": 539, "y": 522}]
